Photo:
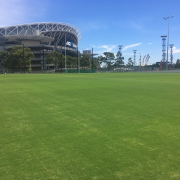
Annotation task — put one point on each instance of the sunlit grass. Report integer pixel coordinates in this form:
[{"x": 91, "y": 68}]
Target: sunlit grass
[{"x": 90, "y": 126}]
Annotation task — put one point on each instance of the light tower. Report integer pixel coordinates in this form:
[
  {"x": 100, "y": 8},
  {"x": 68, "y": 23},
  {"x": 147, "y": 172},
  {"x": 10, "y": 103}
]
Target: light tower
[
  {"x": 134, "y": 57},
  {"x": 171, "y": 56},
  {"x": 120, "y": 48},
  {"x": 140, "y": 60},
  {"x": 163, "y": 49},
  {"x": 167, "y": 18}
]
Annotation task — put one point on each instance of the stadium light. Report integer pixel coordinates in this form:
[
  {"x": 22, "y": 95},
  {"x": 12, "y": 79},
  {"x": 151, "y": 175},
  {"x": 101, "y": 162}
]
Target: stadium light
[
  {"x": 65, "y": 52},
  {"x": 167, "y": 18}
]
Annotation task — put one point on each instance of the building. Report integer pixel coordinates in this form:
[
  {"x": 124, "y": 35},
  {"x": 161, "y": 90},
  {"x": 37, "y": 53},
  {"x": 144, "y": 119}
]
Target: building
[
  {"x": 89, "y": 52},
  {"x": 41, "y": 38}
]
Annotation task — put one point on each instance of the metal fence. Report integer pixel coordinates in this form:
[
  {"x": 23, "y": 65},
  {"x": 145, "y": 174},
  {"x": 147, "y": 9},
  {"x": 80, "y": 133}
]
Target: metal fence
[
  {"x": 88, "y": 70},
  {"x": 34, "y": 71}
]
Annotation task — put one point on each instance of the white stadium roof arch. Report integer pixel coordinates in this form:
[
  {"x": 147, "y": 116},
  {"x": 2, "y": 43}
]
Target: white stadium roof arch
[{"x": 55, "y": 30}]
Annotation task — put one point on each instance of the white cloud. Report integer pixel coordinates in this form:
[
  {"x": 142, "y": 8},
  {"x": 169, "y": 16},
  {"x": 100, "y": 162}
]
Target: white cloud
[
  {"x": 108, "y": 47},
  {"x": 175, "y": 50},
  {"x": 149, "y": 43},
  {"x": 130, "y": 46},
  {"x": 93, "y": 45}
]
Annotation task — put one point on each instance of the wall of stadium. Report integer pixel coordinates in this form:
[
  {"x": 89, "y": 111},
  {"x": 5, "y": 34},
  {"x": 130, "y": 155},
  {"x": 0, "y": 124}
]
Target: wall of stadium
[{"x": 41, "y": 38}]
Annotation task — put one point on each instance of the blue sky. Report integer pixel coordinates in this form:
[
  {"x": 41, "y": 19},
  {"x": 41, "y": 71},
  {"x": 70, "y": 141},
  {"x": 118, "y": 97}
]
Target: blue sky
[{"x": 135, "y": 24}]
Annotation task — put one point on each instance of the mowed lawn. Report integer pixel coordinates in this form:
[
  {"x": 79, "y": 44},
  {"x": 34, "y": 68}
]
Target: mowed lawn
[{"x": 90, "y": 126}]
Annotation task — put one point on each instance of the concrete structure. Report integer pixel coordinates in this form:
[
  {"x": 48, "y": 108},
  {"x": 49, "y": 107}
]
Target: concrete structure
[{"x": 41, "y": 38}]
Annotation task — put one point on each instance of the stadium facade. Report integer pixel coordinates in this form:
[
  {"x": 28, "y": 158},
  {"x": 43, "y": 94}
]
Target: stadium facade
[{"x": 41, "y": 38}]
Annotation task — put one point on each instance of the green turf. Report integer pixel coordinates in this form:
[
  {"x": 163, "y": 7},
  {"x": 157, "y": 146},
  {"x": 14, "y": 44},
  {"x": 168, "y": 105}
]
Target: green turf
[{"x": 90, "y": 126}]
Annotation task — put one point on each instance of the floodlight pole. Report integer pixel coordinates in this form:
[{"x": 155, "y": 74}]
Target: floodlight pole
[
  {"x": 167, "y": 47},
  {"x": 140, "y": 61},
  {"x": 168, "y": 40},
  {"x": 120, "y": 48},
  {"x": 92, "y": 59},
  {"x": 79, "y": 62},
  {"x": 23, "y": 52},
  {"x": 43, "y": 59},
  {"x": 134, "y": 58},
  {"x": 171, "y": 46},
  {"x": 65, "y": 52},
  {"x": 61, "y": 58},
  {"x": 77, "y": 59}
]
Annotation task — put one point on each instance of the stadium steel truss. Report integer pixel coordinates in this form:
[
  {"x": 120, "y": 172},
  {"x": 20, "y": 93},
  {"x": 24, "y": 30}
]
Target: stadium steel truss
[
  {"x": 57, "y": 31},
  {"x": 42, "y": 38}
]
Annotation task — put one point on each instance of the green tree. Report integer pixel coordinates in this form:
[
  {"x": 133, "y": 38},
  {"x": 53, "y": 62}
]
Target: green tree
[
  {"x": 3, "y": 55},
  {"x": 17, "y": 57},
  {"x": 119, "y": 60},
  {"x": 109, "y": 59},
  {"x": 71, "y": 61},
  {"x": 130, "y": 62},
  {"x": 55, "y": 58},
  {"x": 177, "y": 63},
  {"x": 85, "y": 60},
  {"x": 98, "y": 61},
  {"x": 74, "y": 60}
]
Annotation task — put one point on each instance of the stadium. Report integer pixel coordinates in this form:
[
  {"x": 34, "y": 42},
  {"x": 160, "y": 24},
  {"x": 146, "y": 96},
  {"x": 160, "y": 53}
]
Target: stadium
[{"x": 42, "y": 38}]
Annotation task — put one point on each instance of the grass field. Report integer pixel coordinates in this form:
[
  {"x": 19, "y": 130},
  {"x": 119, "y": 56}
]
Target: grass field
[{"x": 90, "y": 126}]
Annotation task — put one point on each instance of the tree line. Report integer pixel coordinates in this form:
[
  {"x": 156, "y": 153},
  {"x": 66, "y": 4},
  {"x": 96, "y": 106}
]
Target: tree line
[
  {"x": 19, "y": 58},
  {"x": 85, "y": 60},
  {"x": 108, "y": 59}
]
